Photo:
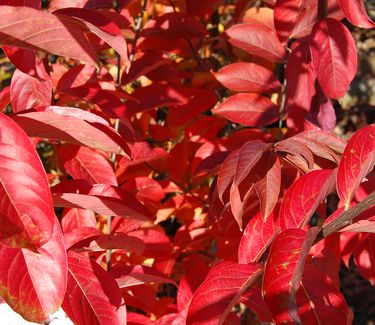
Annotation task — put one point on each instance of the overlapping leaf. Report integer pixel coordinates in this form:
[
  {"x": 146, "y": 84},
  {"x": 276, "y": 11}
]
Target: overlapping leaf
[
  {"x": 304, "y": 196},
  {"x": 103, "y": 199},
  {"x": 74, "y": 126},
  {"x": 249, "y": 77},
  {"x": 95, "y": 291},
  {"x": 34, "y": 284},
  {"x": 26, "y": 211},
  {"x": 249, "y": 109},
  {"x": 219, "y": 292},
  {"x": 257, "y": 39},
  {"x": 355, "y": 12},
  {"x": 334, "y": 57},
  {"x": 356, "y": 162}
]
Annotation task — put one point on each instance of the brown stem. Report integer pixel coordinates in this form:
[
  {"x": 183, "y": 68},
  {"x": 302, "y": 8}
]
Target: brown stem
[
  {"x": 138, "y": 25},
  {"x": 347, "y": 217},
  {"x": 322, "y": 9}
]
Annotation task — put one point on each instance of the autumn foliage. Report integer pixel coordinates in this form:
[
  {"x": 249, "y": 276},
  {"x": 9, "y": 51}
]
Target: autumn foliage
[{"x": 175, "y": 161}]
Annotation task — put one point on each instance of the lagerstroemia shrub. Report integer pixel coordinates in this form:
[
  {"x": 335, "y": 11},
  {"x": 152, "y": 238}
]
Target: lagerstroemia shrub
[{"x": 185, "y": 155}]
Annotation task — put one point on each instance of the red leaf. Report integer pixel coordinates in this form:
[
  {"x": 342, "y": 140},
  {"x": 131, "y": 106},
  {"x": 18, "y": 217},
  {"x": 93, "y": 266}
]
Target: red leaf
[
  {"x": 267, "y": 178},
  {"x": 356, "y": 162},
  {"x": 257, "y": 39},
  {"x": 34, "y": 29},
  {"x": 300, "y": 77},
  {"x": 95, "y": 291},
  {"x": 34, "y": 284},
  {"x": 127, "y": 276},
  {"x": 227, "y": 172},
  {"x": 103, "y": 199},
  {"x": 248, "y": 109},
  {"x": 334, "y": 57},
  {"x": 286, "y": 14},
  {"x": 4, "y": 98},
  {"x": 26, "y": 211},
  {"x": 74, "y": 126},
  {"x": 172, "y": 25},
  {"x": 75, "y": 218},
  {"x": 101, "y": 26},
  {"x": 304, "y": 196},
  {"x": 355, "y": 12},
  {"x": 257, "y": 236},
  {"x": 285, "y": 264},
  {"x": 249, "y": 77},
  {"x": 296, "y": 153},
  {"x": 220, "y": 291},
  {"x": 196, "y": 270},
  {"x": 249, "y": 155},
  {"x": 27, "y": 92},
  {"x": 87, "y": 164},
  {"x": 23, "y": 60},
  {"x": 319, "y": 300}
]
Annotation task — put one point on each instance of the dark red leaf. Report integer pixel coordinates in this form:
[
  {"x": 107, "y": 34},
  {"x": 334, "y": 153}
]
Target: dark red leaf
[{"x": 334, "y": 56}]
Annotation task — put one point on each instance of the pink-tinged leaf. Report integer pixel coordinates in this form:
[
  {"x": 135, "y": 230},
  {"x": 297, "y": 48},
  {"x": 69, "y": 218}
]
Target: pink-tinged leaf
[
  {"x": 267, "y": 183},
  {"x": 286, "y": 14},
  {"x": 103, "y": 199},
  {"x": 334, "y": 57},
  {"x": 319, "y": 301},
  {"x": 101, "y": 26},
  {"x": 75, "y": 218},
  {"x": 26, "y": 211},
  {"x": 23, "y": 60},
  {"x": 86, "y": 129},
  {"x": 227, "y": 172},
  {"x": 27, "y": 92},
  {"x": 84, "y": 163},
  {"x": 34, "y": 29},
  {"x": 257, "y": 39},
  {"x": 95, "y": 291},
  {"x": 86, "y": 239},
  {"x": 356, "y": 162},
  {"x": 304, "y": 196},
  {"x": 220, "y": 291},
  {"x": 249, "y": 155},
  {"x": 173, "y": 25},
  {"x": 285, "y": 264},
  {"x": 127, "y": 276},
  {"x": 251, "y": 77},
  {"x": 355, "y": 12},
  {"x": 257, "y": 236},
  {"x": 34, "y": 284},
  {"x": 248, "y": 109}
]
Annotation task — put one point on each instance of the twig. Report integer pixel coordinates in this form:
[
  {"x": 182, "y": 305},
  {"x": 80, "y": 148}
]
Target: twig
[
  {"x": 347, "y": 217},
  {"x": 138, "y": 25}
]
